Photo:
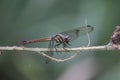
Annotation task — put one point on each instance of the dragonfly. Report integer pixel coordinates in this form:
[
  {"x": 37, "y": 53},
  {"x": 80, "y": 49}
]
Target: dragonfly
[{"x": 63, "y": 38}]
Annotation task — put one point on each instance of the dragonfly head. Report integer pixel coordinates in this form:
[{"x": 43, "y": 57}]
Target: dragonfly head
[{"x": 67, "y": 38}]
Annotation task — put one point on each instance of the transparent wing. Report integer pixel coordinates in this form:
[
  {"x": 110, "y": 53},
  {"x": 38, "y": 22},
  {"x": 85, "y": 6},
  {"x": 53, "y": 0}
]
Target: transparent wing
[
  {"x": 50, "y": 53},
  {"x": 75, "y": 33}
]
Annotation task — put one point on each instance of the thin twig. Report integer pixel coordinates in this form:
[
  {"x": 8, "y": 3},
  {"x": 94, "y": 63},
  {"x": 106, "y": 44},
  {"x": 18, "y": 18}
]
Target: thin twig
[
  {"x": 92, "y": 48},
  {"x": 42, "y": 50},
  {"x": 87, "y": 33},
  {"x": 58, "y": 60}
]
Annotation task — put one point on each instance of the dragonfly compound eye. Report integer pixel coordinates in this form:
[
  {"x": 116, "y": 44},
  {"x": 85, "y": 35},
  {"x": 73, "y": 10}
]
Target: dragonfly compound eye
[{"x": 67, "y": 38}]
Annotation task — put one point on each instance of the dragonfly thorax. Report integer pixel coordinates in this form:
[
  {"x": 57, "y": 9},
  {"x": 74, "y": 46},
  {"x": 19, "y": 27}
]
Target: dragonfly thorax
[{"x": 60, "y": 38}]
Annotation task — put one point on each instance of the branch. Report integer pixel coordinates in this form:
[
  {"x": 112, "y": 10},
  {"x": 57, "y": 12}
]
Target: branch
[
  {"x": 43, "y": 50},
  {"x": 93, "y": 48}
]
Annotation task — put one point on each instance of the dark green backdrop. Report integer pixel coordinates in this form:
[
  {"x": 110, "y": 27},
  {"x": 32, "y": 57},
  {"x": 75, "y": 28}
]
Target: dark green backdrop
[{"x": 31, "y": 19}]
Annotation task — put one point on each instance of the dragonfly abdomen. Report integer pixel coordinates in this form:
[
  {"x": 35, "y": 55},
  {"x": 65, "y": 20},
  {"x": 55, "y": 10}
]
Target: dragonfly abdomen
[{"x": 37, "y": 40}]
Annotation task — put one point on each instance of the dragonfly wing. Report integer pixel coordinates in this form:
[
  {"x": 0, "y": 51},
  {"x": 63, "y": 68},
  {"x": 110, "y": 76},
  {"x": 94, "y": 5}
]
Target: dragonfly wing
[
  {"x": 50, "y": 53},
  {"x": 75, "y": 33}
]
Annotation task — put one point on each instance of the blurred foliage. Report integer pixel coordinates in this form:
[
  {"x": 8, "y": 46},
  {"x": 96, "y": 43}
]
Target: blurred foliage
[{"x": 31, "y": 19}]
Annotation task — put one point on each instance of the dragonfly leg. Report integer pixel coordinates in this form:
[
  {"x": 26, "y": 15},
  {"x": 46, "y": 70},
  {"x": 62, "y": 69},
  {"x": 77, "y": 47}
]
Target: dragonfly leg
[
  {"x": 57, "y": 46},
  {"x": 66, "y": 45}
]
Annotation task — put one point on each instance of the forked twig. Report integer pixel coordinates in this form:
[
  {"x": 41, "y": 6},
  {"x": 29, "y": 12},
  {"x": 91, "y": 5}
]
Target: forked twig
[
  {"x": 56, "y": 59},
  {"x": 87, "y": 33}
]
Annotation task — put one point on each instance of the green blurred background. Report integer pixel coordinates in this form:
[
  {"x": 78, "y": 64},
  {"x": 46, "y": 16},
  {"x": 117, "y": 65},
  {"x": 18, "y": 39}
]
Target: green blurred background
[{"x": 32, "y": 19}]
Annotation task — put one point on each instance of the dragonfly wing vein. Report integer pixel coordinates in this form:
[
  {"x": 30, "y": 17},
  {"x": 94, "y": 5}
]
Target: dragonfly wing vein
[{"x": 75, "y": 33}]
